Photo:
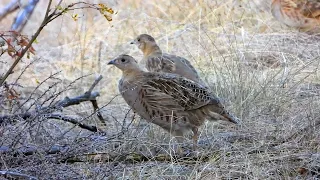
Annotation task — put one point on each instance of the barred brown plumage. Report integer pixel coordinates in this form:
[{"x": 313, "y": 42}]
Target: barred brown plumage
[
  {"x": 171, "y": 101},
  {"x": 302, "y": 14},
  {"x": 156, "y": 61}
]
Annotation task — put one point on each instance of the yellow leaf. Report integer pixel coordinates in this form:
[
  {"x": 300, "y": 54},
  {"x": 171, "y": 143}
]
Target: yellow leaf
[
  {"x": 75, "y": 17},
  {"x": 36, "y": 41},
  {"x": 110, "y": 10},
  {"x": 101, "y": 11},
  {"x": 108, "y": 17},
  {"x": 101, "y": 5},
  {"x": 59, "y": 8}
]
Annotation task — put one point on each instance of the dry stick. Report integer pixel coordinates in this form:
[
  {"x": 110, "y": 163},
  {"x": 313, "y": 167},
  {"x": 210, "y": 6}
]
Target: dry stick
[
  {"x": 9, "y": 175},
  {"x": 89, "y": 95},
  {"x": 73, "y": 121},
  {"x": 94, "y": 102},
  {"x": 27, "y": 115},
  {"x": 76, "y": 100},
  {"x": 95, "y": 108},
  {"x": 138, "y": 157},
  {"x": 130, "y": 157}
]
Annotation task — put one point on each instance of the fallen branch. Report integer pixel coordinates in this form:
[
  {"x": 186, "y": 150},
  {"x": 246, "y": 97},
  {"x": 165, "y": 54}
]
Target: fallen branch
[
  {"x": 163, "y": 153},
  {"x": 131, "y": 157},
  {"x": 27, "y": 151},
  {"x": 73, "y": 121},
  {"x": 87, "y": 96},
  {"x": 6, "y": 119},
  {"x": 77, "y": 100},
  {"x": 135, "y": 157},
  {"x": 9, "y": 175}
]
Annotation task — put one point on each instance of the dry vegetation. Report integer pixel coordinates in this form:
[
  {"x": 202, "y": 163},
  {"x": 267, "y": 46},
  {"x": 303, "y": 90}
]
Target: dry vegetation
[{"x": 267, "y": 74}]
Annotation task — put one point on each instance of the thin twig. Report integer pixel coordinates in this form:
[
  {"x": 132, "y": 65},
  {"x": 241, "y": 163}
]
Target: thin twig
[
  {"x": 47, "y": 10},
  {"x": 96, "y": 81}
]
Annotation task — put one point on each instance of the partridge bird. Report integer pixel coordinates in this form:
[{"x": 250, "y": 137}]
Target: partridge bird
[
  {"x": 156, "y": 61},
  {"x": 168, "y": 100},
  {"x": 302, "y": 14}
]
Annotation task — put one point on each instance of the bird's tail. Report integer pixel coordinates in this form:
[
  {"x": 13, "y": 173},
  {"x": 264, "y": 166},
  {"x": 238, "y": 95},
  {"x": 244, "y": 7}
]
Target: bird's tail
[
  {"x": 224, "y": 116},
  {"x": 230, "y": 117}
]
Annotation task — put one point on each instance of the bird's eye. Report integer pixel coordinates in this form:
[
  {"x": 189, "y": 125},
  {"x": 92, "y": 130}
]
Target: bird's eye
[
  {"x": 123, "y": 60},
  {"x": 138, "y": 39}
]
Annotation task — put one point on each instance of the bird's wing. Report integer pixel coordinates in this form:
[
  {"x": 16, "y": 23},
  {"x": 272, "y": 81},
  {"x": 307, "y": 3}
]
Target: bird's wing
[
  {"x": 310, "y": 9},
  {"x": 160, "y": 63},
  {"x": 168, "y": 63},
  {"x": 187, "y": 66},
  {"x": 175, "y": 92},
  {"x": 172, "y": 64}
]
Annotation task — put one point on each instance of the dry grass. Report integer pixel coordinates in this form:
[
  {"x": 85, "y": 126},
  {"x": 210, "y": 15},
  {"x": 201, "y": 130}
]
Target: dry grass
[{"x": 267, "y": 74}]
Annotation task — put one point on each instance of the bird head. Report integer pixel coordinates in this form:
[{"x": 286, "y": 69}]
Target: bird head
[
  {"x": 144, "y": 42},
  {"x": 125, "y": 62}
]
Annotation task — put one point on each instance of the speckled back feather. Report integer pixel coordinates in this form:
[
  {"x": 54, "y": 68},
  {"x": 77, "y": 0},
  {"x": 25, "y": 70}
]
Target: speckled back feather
[
  {"x": 303, "y": 14},
  {"x": 157, "y": 61}
]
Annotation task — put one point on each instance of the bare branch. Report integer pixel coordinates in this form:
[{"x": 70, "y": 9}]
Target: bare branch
[
  {"x": 77, "y": 100},
  {"x": 73, "y": 121},
  {"x": 27, "y": 150},
  {"x": 8, "y": 118}
]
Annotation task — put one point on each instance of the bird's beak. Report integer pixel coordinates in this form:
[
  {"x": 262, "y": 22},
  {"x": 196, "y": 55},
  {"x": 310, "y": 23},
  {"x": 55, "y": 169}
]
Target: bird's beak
[
  {"x": 112, "y": 62},
  {"x": 133, "y": 42}
]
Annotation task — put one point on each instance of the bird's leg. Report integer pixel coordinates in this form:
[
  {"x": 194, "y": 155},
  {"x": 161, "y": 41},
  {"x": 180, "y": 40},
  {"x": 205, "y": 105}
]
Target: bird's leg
[
  {"x": 195, "y": 137},
  {"x": 179, "y": 136},
  {"x": 133, "y": 117}
]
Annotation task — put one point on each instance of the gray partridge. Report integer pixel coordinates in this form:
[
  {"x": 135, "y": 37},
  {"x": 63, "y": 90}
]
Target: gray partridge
[
  {"x": 156, "y": 61},
  {"x": 302, "y": 14},
  {"x": 168, "y": 100}
]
